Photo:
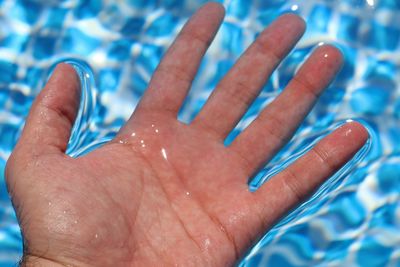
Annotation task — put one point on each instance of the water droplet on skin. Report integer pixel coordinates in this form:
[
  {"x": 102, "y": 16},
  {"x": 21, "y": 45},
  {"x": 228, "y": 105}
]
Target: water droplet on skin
[
  {"x": 187, "y": 193},
  {"x": 49, "y": 203},
  {"x": 326, "y": 55},
  {"x": 64, "y": 211},
  {"x": 120, "y": 141},
  {"x": 133, "y": 134},
  {"x": 164, "y": 153},
  {"x": 142, "y": 142},
  {"x": 76, "y": 222},
  {"x": 157, "y": 131},
  {"x": 96, "y": 236},
  {"x": 348, "y": 132},
  {"x": 152, "y": 126}
]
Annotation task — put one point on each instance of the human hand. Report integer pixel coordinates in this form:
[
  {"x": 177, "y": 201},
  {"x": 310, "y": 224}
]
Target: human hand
[{"x": 164, "y": 192}]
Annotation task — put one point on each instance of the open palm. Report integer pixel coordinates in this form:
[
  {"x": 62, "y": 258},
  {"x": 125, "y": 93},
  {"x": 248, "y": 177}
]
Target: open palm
[{"x": 167, "y": 193}]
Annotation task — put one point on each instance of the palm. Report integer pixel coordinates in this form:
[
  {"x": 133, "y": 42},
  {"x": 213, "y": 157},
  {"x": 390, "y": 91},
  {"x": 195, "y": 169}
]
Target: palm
[
  {"x": 203, "y": 201},
  {"x": 164, "y": 191}
]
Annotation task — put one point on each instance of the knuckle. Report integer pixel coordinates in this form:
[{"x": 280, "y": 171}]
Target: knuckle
[
  {"x": 292, "y": 182},
  {"x": 325, "y": 157},
  {"x": 239, "y": 93},
  {"x": 275, "y": 127},
  {"x": 176, "y": 72},
  {"x": 265, "y": 48},
  {"x": 306, "y": 86}
]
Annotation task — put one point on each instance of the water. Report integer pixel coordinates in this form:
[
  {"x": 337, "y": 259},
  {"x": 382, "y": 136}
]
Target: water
[{"x": 353, "y": 220}]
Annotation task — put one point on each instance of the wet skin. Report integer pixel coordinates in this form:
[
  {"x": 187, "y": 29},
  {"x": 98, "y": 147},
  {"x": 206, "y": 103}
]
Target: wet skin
[{"x": 165, "y": 193}]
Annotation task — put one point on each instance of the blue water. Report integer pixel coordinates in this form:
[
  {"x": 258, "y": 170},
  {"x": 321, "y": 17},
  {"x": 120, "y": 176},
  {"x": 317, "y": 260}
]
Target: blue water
[{"x": 354, "y": 220}]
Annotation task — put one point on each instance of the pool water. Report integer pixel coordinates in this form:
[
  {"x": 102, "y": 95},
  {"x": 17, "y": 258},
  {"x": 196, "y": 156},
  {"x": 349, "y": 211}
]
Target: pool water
[{"x": 353, "y": 220}]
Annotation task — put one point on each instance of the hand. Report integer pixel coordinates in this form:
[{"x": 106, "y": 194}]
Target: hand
[{"x": 167, "y": 193}]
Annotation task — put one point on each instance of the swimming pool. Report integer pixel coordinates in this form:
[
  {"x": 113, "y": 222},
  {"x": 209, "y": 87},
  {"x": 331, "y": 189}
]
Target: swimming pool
[{"x": 354, "y": 220}]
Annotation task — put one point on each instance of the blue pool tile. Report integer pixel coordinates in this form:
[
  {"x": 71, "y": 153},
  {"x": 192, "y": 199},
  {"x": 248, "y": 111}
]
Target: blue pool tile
[
  {"x": 43, "y": 46},
  {"x": 119, "y": 49},
  {"x": 34, "y": 77},
  {"x": 76, "y": 41},
  {"x": 389, "y": 4},
  {"x": 376, "y": 147},
  {"x": 355, "y": 3},
  {"x": 26, "y": 11},
  {"x": 332, "y": 96},
  {"x": 389, "y": 178},
  {"x": 3, "y": 96},
  {"x": 269, "y": 5},
  {"x": 239, "y": 8},
  {"x": 369, "y": 100},
  {"x": 318, "y": 20},
  {"x": 141, "y": 3},
  {"x": 358, "y": 176},
  {"x": 277, "y": 259},
  {"x": 393, "y": 137},
  {"x": 15, "y": 42},
  {"x": 88, "y": 9},
  {"x": 149, "y": 57},
  {"x": 133, "y": 26},
  {"x": 373, "y": 253},
  {"x": 385, "y": 217},
  {"x": 265, "y": 17},
  {"x": 138, "y": 84},
  {"x": 232, "y": 38},
  {"x": 3, "y": 189},
  {"x": 349, "y": 211},
  {"x": 8, "y": 134},
  {"x": 108, "y": 79},
  {"x": 222, "y": 67},
  {"x": 8, "y": 72},
  {"x": 169, "y": 4},
  {"x": 348, "y": 28},
  {"x": 396, "y": 109},
  {"x": 21, "y": 102},
  {"x": 382, "y": 37},
  {"x": 366, "y": 67},
  {"x": 55, "y": 18},
  {"x": 380, "y": 70},
  {"x": 255, "y": 260},
  {"x": 162, "y": 26},
  {"x": 337, "y": 250}
]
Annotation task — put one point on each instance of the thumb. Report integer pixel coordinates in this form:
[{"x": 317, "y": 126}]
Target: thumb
[{"x": 48, "y": 126}]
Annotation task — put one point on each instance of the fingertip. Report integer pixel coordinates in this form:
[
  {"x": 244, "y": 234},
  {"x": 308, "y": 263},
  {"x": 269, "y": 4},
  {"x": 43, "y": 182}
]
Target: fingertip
[
  {"x": 331, "y": 53},
  {"x": 294, "y": 21},
  {"x": 353, "y": 134},
  {"x": 213, "y": 8},
  {"x": 358, "y": 130},
  {"x": 68, "y": 71}
]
